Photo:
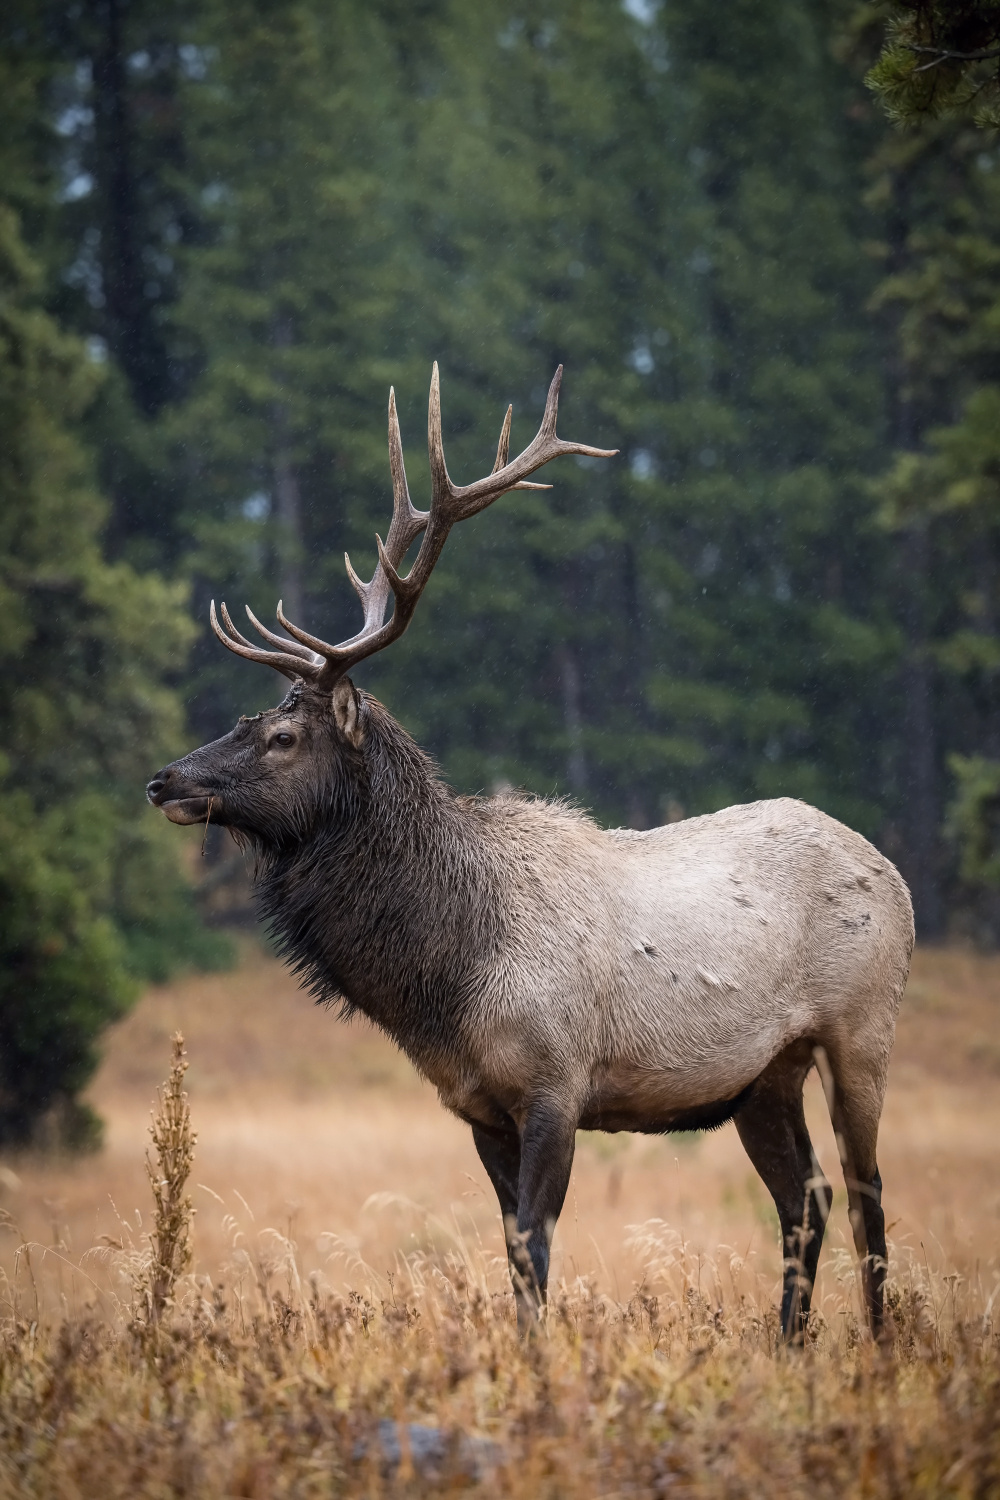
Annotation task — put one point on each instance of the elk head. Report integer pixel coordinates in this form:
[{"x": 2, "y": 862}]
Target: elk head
[{"x": 271, "y": 774}]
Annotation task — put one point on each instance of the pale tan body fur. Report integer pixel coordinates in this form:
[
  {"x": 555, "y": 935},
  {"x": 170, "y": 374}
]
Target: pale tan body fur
[{"x": 657, "y": 971}]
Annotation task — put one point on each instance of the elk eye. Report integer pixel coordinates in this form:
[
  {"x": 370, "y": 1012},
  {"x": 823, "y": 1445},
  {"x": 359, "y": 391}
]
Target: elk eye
[{"x": 284, "y": 740}]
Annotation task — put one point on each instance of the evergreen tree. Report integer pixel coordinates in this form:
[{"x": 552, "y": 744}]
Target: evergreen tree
[
  {"x": 940, "y": 57},
  {"x": 932, "y": 195},
  {"x": 940, "y": 495},
  {"x": 90, "y": 895}
]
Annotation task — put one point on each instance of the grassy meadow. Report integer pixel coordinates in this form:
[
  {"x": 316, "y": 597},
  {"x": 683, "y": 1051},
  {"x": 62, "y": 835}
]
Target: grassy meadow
[{"x": 345, "y": 1325}]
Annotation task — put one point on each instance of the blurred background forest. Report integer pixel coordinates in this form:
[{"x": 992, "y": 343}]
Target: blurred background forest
[{"x": 227, "y": 227}]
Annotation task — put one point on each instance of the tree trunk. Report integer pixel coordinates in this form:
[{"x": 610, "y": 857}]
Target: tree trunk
[{"x": 128, "y": 322}]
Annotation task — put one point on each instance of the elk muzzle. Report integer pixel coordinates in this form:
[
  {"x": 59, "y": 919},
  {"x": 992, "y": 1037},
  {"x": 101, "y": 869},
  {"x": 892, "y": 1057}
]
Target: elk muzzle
[{"x": 177, "y": 799}]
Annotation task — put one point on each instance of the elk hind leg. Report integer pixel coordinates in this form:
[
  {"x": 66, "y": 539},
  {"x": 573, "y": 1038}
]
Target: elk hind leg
[
  {"x": 772, "y": 1126},
  {"x": 855, "y": 1112}
]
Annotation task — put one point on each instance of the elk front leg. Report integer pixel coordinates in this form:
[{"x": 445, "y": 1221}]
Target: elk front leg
[{"x": 530, "y": 1173}]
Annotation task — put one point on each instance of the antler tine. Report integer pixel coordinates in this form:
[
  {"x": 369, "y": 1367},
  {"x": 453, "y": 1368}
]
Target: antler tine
[
  {"x": 231, "y": 628},
  {"x": 406, "y": 525},
  {"x": 503, "y": 446},
  {"x": 321, "y": 647},
  {"x": 359, "y": 586},
  {"x": 276, "y": 640},
  {"x": 287, "y": 665},
  {"x": 402, "y": 505},
  {"x": 441, "y": 485},
  {"x": 551, "y": 412}
]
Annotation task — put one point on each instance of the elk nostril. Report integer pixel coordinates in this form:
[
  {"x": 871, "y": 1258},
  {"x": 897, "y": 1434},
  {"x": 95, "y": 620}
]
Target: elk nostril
[{"x": 155, "y": 787}]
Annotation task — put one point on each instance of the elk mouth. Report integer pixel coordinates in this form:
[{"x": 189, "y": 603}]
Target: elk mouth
[
  {"x": 177, "y": 802},
  {"x": 186, "y": 809}
]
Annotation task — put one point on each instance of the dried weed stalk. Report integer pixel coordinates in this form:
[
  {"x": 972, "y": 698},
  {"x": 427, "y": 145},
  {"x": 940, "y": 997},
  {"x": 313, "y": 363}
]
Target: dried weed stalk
[{"x": 173, "y": 1146}]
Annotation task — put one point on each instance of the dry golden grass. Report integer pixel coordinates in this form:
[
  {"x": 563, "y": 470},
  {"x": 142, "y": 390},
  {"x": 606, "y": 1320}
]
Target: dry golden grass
[{"x": 348, "y": 1270}]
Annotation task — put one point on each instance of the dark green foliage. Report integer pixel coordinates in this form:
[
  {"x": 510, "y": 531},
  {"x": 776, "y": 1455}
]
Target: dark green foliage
[
  {"x": 90, "y": 897},
  {"x": 975, "y": 820},
  {"x": 938, "y": 189},
  {"x": 940, "y": 57},
  {"x": 62, "y": 971}
]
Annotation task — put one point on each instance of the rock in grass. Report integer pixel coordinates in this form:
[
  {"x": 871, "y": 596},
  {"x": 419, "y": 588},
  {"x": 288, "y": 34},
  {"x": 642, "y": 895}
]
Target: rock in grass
[{"x": 434, "y": 1452}]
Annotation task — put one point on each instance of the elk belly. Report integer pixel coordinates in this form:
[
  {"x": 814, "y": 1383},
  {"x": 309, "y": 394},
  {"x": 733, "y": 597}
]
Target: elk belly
[
  {"x": 653, "y": 1104},
  {"x": 633, "y": 1094}
]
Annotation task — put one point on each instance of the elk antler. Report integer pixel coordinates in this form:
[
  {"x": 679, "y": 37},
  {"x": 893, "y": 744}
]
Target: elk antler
[{"x": 307, "y": 656}]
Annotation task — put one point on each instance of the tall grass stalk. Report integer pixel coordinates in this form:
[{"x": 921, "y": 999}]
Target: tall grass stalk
[{"x": 168, "y": 1172}]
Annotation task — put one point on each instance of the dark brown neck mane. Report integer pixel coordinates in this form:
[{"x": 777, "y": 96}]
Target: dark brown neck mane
[{"x": 389, "y": 905}]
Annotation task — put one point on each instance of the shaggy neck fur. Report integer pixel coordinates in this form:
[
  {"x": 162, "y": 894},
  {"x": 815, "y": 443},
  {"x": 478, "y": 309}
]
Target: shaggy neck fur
[{"x": 389, "y": 903}]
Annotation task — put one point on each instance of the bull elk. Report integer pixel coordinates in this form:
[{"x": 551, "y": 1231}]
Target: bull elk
[{"x": 546, "y": 974}]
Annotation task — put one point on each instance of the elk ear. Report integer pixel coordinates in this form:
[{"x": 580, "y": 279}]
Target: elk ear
[{"x": 347, "y": 711}]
